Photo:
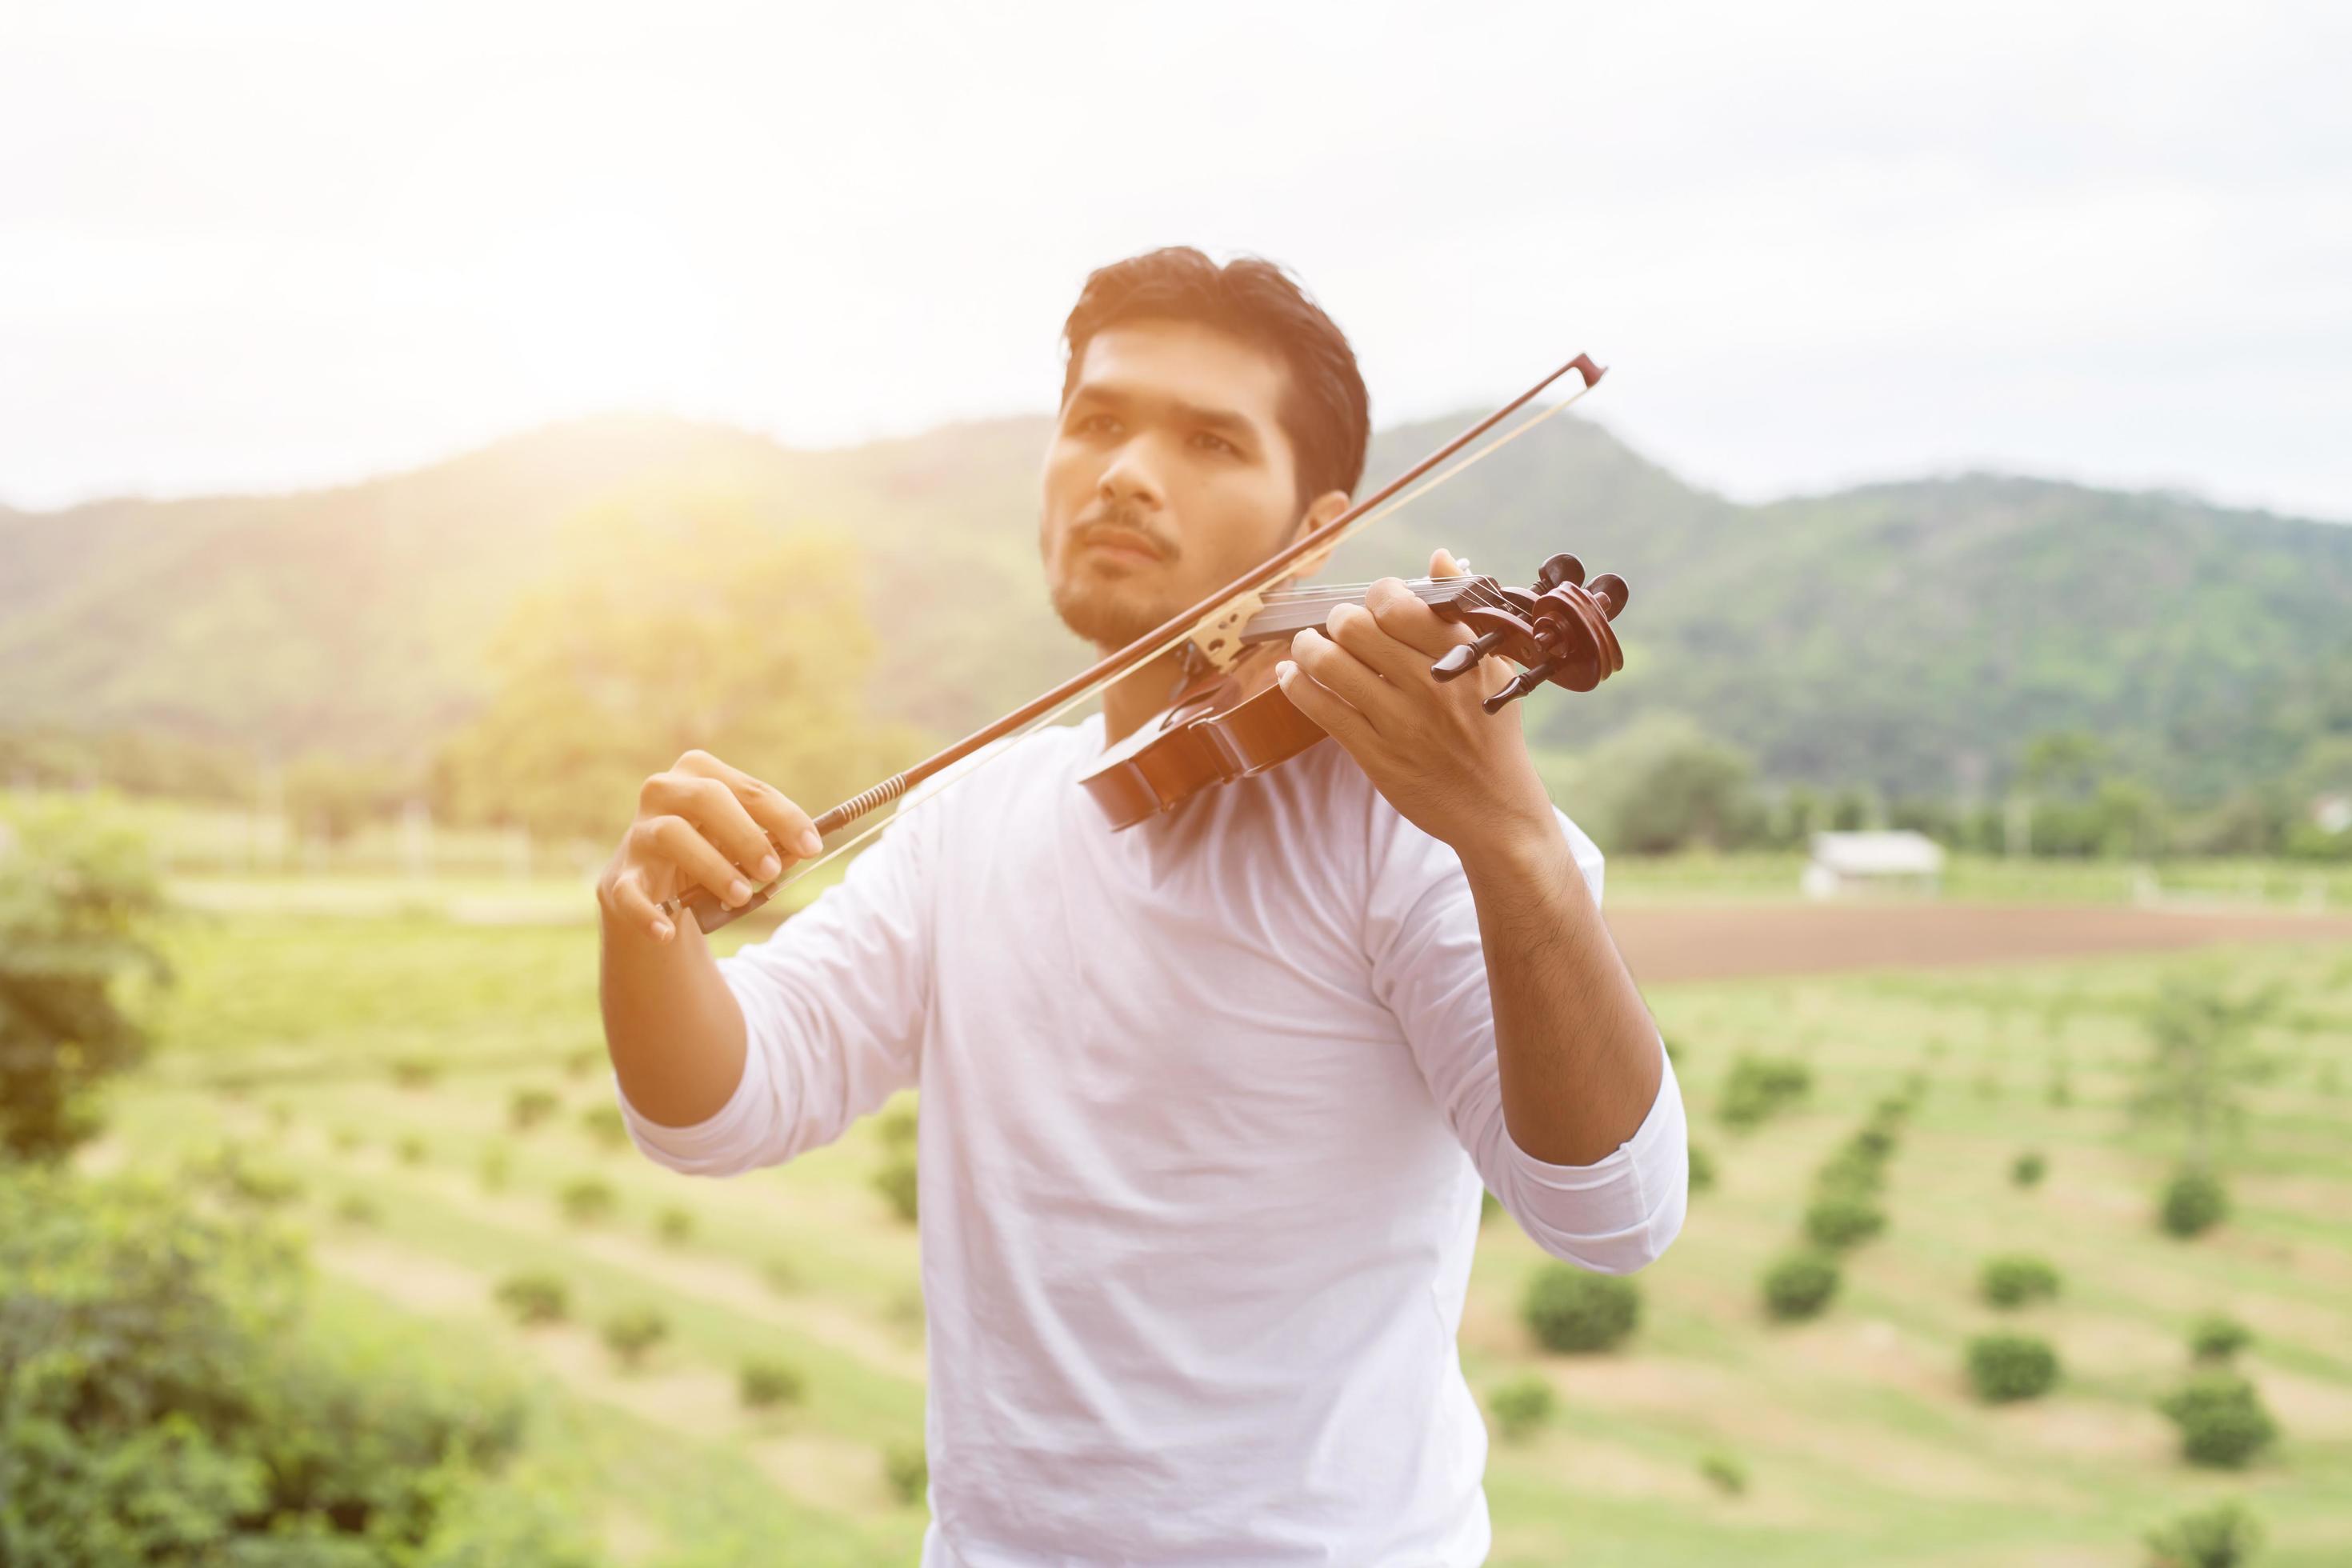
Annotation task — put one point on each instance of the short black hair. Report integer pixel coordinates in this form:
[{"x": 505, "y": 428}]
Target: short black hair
[{"x": 1326, "y": 414}]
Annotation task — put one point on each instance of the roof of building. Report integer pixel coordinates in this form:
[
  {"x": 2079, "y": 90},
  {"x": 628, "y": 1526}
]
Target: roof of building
[{"x": 1895, "y": 853}]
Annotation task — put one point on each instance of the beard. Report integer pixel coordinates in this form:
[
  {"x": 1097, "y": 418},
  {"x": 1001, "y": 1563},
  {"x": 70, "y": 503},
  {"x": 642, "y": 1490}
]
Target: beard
[{"x": 1111, "y": 609}]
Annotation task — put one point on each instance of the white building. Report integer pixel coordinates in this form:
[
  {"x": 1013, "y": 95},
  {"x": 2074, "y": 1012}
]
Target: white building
[{"x": 1847, "y": 864}]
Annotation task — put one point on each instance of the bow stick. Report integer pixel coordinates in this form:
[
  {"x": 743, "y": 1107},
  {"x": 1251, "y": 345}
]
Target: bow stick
[{"x": 709, "y": 913}]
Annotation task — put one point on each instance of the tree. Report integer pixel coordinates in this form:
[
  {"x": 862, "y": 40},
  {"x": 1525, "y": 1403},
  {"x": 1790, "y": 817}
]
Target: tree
[
  {"x": 2200, "y": 1056},
  {"x": 79, "y": 898},
  {"x": 1660, "y": 784}
]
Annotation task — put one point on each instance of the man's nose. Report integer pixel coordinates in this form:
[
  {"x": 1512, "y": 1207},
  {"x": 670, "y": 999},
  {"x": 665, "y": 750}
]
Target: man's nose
[{"x": 1130, "y": 479}]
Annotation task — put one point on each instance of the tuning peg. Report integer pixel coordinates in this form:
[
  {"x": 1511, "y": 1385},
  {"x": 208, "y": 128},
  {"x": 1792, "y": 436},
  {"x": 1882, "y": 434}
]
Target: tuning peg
[
  {"x": 1463, "y": 658},
  {"x": 1561, "y": 568},
  {"x": 1612, "y": 591},
  {"x": 1527, "y": 680}
]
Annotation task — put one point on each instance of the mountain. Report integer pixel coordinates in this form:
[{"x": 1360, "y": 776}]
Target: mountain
[{"x": 1911, "y": 635}]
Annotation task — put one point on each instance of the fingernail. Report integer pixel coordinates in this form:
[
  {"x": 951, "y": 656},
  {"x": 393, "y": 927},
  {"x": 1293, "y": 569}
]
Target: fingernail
[
  {"x": 769, "y": 867},
  {"x": 811, "y": 844},
  {"x": 1285, "y": 670},
  {"x": 661, "y": 931},
  {"x": 738, "y": 891}
]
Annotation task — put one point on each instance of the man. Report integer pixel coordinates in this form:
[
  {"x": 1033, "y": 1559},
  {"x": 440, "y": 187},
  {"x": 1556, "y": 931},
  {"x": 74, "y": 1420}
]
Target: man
[{"x": 1207, "y": 1104}]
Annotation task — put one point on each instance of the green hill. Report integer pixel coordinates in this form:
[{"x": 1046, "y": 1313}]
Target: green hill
[{"x": 1913, "y": 635}]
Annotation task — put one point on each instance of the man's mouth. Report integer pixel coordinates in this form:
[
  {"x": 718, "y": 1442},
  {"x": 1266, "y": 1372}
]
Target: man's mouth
[{"x": 1121, "y": 544}]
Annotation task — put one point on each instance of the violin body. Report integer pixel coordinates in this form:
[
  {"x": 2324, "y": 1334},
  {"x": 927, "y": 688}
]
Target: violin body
[{"x": 1226, "y": 725}]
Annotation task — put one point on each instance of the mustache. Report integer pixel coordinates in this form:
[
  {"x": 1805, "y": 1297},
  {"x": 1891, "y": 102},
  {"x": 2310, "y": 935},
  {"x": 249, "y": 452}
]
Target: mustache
[{"x": 1126, "y": 519}]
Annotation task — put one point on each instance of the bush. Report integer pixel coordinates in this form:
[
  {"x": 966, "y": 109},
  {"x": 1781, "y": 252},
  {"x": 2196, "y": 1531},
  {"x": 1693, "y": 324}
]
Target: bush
[
  {"x": 632, "y": 1332},
  {"x": 2223, "y": 1536},
  {"x": 2014, "y": 1279},
  {"x": 1702, "y": 1168},
  {"x": 493, "y": 1169},
  {"x": 345, "y": 1140},
  {"x": 1572, "y": 1312},
  {"x": 1489, "y": 1205},
  {"x": 2028, "y": 1169},
  {"x": 1723, "y": 1473},
  {"x": 782, "y": 1276},
  {"x": 605, "y": 1127},
  {"x": 246, "y": 1180},
  {"x": 410, "y": 1149},
  {"x": 2222, "y": 1421},
  {"x": 1799, "y": 1285},
  {"x": 2004, "y": 1367},
  {"x": 588, "y": 1200},
  {"x": 415, "y": 1072},
  {"x": 1520, "y": 1405},
  {"x": 1841, "y": 1221},
  {"x": 674, "y": 1227},
  {"x": 907, "y": 1470},
  {"x": 764, "y": 1384},
  {"x": 535, "y": 1298},
  {"x": 2214, "y": 1338},
  {"x": 897, "y": 1183},
  {"x": 356, "y": 1209},
  {"x": 1759, "y": 1087},
  {"x": 2194, "y": 1202},
  {"x": 1851, "y": 1174},
  {"x": 530, "y": 1107},
  {"x": 581, "y": 1061}
]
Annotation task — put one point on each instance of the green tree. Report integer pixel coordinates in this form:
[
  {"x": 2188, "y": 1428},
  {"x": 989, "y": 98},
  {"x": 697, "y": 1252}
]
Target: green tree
[
  {"x": 2200, "y": 1057},
  {"x": 78, "y": 899}
]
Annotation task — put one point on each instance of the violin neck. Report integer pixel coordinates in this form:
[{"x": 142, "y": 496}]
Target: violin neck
[{"x": 1297, "y": 609}]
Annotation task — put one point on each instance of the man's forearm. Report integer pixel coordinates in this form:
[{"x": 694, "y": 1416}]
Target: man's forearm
[
  {"x": 1576, "y": 1047},
  {"x": 674, "y": 1030}
]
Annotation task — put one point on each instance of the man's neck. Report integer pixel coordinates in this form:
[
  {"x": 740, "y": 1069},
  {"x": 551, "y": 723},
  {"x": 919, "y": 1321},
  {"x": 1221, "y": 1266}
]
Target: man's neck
[{"x": 1132, "y": 702}]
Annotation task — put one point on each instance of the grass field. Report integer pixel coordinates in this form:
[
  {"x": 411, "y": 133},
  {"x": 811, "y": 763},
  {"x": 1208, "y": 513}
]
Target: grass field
[{"x": 376, "y": 1056}]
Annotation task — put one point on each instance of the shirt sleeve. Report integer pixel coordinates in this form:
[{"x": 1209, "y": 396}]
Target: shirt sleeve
[
  {"x": 833, "y": 1008},
  {"x": 1614, "y": 1216}
]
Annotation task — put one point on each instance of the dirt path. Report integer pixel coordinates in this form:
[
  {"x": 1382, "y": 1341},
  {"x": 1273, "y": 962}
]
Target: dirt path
[{"x": 1730, "y": 941}]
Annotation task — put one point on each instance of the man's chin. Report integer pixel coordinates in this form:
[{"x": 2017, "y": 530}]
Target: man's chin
[{"x": 1109, "y": 620}]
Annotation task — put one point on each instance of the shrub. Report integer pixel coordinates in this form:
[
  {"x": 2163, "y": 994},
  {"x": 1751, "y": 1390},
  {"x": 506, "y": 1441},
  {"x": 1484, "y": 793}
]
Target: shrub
[
  {"x": 763, "y": 1384},
  {"x": 588, "y": 1200},
  {"x": 1489, "y": 1205},
  {"x": 1571, "y": 1311},
  {"x": 632, "y": 1332},
  {"x": 2012, "y": 1280},
  {"x": 2222, "y": 1421},
  {"x": 1702, "y": 1168},
  {"x": 2194, "y": 1202},
  {"x": 1874, "y": 1141},
  {"x": 1851, "y": 1174},
  {"x": 897, "y": 1183},
  {"x": 356, "y": 1209},
  {"x": 674, "y": 1227},
  {"x": 1799, "y": 1285},
  {"x": 897, "y": 1128},
  {"x": 535, "y": 1298},
  {"x": 2028, "y": 1169},
  {"x": 2223, "y": 1536},
  {"x": 1520, "y": 1407},
  {"x": 246, "y": 1180},
  {"x": 782, "y": 1278},
  {"x": 344, "y": 1139},
  {"x": 2214, "y": 1338},
  {"x": 605, "y": 1127},
  {"x": 1723, "y": 1473},
  {"x": 907, "y": 1469},
  {"x": 415, "y": 1072},
  {"x": 581, "y": 1061},
  {"x": 410, "y": 1149},
  {"x": 530, "y": 1107},
  {"x": 1757, "y": 1086},
  {"x": 1841, "y": 1220},
  {"x": 493, "y": 1169},
  {"x": 2004, "y": 1367}
]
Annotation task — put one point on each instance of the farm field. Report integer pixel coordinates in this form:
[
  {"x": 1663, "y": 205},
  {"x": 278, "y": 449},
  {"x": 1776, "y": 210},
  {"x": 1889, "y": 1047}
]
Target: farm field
[{"x": 377, "y": 1058}]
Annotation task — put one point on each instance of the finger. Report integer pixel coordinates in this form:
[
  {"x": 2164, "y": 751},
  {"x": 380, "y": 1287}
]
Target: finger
[
  {"x": 1443, "y": 564},
  {"x": 1342, "y": 674},
  {"x": 710, "y": 805},
  {"x": 794, "y": 830},
  {"x": 633, "y": 906},
  {"x": 1405, "y": 618},
  {"x": 674, "y": 839},
  {"x": 1318, "y": 702},
  {"x": 1358, "y": 630}
]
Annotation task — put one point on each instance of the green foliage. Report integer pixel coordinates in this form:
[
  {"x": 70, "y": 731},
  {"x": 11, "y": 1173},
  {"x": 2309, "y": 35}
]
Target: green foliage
[
  {"x": 632, "y": 1332},
  {"x": 2006, "y": 1367},
  {"x": 536, "y": 1297},
  {"x": 1841, "y": 1220},
  {"x": 167, "y": 1402},
  {"x": 587, "y": 1200},
  {"x": 530, "y": 1107},
  {"x": 1575, "y": 1312},
  {"x": 1798, "y": 1285},
  {"x": 245, "y": 1179},
  {"x": 78, "y": 899},
  {"x": 907, "y": 1470},
  {"x": 2216, "y": 1338},
  {"x": 1662, "y": 784},
  {"x": 415, "y": 1072},
  {"x": 410, "y": 1149},
  {"x": 1760, "y": 1087},
  {"x": 674, "y": 1227},
  {"x": 605, "y": 1127},
  {"x": 2194, "y": 1202},
  {"x": 493, "y": 1171},
  {"x": 2223, "y": 1420},
  {"x": 2028, "y": 1169},
  {"x": 2226, "y": 1535},
  {"x": 2013, "y": 1280},
  {"x": 1702, "y": 1168},
  {"x": 763, "y": 1384},
  {"x": 1725, "y": 1473},
  {"x": 1521, "y": 1406},
  {"x": 1489, "y": 1205},
  {"x": 2200, "y": 1057},
  {"x": 896, "y": 1181},
  {"x": 357, "y": 1209}
]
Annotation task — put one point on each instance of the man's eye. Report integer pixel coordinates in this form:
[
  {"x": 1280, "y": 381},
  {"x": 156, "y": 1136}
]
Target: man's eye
[
  {"x": 1215, "y": 443},
  {"x": 1097, "y": 425}
]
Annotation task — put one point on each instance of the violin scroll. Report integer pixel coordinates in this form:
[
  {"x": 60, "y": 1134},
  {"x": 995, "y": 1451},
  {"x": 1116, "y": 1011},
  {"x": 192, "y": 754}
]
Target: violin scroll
[{"x": 1557, "y": 632}]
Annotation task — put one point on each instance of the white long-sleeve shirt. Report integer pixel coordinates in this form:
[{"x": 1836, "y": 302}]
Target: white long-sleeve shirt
[{"x": 1205, "y": 1110}]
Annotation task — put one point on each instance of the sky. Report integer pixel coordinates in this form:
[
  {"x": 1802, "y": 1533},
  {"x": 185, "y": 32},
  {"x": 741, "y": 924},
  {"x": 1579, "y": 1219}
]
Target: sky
[{"x": 250, "y": 247}]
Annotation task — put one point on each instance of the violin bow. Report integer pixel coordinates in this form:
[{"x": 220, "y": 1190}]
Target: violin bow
[{"x": 709, "y": 913}]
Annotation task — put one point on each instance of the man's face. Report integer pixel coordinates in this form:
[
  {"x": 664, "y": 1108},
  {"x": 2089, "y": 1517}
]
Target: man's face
[{"x": 1168, "y": 475}]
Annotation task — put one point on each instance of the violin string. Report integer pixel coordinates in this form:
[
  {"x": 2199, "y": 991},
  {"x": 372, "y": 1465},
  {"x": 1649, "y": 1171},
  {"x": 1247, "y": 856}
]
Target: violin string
[{"x": 877, "y": 823}]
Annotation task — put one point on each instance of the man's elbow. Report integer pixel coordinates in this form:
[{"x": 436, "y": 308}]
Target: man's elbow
[{"x": 1626, "y": 1250}]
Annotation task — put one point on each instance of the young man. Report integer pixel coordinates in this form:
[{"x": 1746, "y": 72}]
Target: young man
[{"x": 1207, "y": 1104}]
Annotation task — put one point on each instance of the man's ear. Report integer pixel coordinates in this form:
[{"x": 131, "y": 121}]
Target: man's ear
[{"x": 1326, "y": 505}]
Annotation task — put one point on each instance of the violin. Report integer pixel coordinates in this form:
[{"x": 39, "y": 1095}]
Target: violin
[{"x": 1229, "y": 720}]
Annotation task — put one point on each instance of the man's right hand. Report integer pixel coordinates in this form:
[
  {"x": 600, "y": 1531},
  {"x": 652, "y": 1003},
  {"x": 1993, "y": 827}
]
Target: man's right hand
[{"x": 701, "y": 824}]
